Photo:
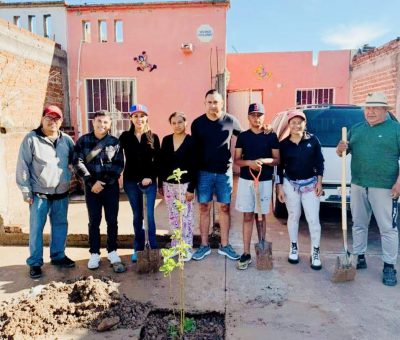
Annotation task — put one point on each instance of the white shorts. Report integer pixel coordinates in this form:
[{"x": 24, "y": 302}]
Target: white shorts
[{"x": 245, "y": 196}]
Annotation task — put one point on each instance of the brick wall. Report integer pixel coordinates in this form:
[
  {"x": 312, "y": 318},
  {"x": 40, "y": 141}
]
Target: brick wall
[
  {"x": 32, "y": 72},
  {"x": 377, "y": 70}
]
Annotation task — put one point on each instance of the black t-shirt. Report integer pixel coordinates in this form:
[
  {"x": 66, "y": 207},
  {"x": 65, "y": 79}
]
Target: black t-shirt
[
  {"x": 213, "y": 142},
  {"x": 183, "y": 158},
  {"x": 256, "y": 146}
]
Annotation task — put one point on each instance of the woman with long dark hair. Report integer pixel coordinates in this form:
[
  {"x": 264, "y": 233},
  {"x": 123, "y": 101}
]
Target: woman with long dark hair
[{"x": 141, "y": 148}]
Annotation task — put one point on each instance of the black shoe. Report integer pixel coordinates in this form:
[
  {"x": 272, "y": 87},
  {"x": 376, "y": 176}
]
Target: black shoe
[
  {"x": 361, "y": 262},
  {"x": 35, "y": 272},
  {"x": 65, "y": 262},
  {"x": 389, "y": 276},
  {"x": 244, "y": 261}
]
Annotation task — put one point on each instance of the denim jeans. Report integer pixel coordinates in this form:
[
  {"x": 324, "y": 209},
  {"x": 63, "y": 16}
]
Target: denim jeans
[
  {"x": 57, "y": 211},
  {"x": 109, "y": 199},
  {"x": 135, "y": 196},
  {"x": 210, "y": 183}
]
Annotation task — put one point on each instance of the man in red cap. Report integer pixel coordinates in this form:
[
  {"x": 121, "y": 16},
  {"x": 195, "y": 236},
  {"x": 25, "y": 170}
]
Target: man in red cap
[{"x": 43, "y": 174}]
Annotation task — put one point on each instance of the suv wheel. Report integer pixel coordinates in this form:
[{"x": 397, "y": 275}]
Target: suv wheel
[{"x": 278, "y": 208}]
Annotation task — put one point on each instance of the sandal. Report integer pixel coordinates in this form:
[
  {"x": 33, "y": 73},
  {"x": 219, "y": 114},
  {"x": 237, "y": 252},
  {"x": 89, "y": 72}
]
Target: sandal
[{"x": 119, "y": 267}]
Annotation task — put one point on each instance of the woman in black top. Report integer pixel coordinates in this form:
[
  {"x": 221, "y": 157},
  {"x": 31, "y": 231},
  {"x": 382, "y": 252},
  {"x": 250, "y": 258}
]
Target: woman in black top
[
  {"x": 300, "y": 172},
  {"x": 177, "y": 151},
  {"x": 142, "y": 150}
]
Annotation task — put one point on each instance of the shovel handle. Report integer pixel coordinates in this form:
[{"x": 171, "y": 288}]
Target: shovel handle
[{"x": 343, "y": 191}]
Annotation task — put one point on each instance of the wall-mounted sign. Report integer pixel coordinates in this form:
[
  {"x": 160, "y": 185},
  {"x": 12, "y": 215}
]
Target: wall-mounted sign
[
  {"x": 205, "y": 33},
  {"x": 262, "y": 73}
]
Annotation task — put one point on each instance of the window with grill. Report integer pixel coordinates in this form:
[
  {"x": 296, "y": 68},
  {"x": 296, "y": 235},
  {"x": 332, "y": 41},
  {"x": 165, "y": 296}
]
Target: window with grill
[
  {"x": 113, "y": 95},
  {"x": 315, "y": 96}
]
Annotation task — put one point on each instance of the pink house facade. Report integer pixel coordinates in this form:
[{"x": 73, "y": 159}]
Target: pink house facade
[
  {"x": 163, "y": 55},
  {"x": 281, "y": 80}
]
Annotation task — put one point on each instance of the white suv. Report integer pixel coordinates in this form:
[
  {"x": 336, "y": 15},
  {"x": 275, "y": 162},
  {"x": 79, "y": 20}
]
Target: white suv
[{"x": 325, "y": 122}]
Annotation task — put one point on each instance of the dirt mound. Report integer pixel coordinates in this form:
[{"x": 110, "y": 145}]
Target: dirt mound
[{"x": 58, "y": 306}]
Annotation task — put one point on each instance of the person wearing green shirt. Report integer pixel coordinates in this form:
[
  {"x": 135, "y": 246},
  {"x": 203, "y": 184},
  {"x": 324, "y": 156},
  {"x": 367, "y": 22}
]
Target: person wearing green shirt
[{"x": 375, "y": 184}]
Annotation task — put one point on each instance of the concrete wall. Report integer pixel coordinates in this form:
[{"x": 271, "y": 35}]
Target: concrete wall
[
  {"x": 58, "y": 19},
  {"x": 287, "y": 72},
  {"x": 30, "y": 73},
  {"x": 180, "y": 80},
  {"x": 377, "y": 70}
]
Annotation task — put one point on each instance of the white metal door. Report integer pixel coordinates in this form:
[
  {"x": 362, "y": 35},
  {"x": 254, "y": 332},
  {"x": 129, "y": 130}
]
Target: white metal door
[{"x": 238, "y": 104}]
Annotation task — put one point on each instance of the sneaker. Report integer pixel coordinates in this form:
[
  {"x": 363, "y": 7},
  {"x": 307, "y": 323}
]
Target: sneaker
[
  {"x": 94, "y": 261},
  {"x": 134, "y": 256},
  {"x": 189, "y": 256},
  {"x": 201, "y": 253},
  {"x": 315, "y": 259},
  {"x": 113, "y": 257},
  {"x": 244, "y": 261},
  {"x": 65, "y": 262},
  {"x": 389, "y": 276},
  {"x": 229, "y": 252},
  {"x": 35, "y": 272},
  {"x": 293, "y": 253},
  {"x": 361, "y": 262}
]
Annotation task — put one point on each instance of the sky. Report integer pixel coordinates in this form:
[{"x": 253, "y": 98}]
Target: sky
[{"x": 310, "y": 25}]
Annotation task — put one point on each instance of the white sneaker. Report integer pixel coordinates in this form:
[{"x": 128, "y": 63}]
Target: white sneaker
[
  {"x": 113, "y": 257},
  {"x": 94, "y": 261},
  {"x": 189, "y": 256},
  {"x": 315, "y": 259},
  {"x": 293, "y": 253}
]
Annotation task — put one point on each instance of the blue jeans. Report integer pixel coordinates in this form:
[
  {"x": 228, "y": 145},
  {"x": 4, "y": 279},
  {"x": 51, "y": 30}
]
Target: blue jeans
[
  {"x": 135, "y": 196},
  {"x": 57, "y": 211},
  {"x": 210, "y": 183}
]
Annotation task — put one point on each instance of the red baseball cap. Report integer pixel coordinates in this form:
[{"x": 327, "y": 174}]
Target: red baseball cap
[
  {"x": 295, "y": 113},
  {"x": 53, "y": 111}
]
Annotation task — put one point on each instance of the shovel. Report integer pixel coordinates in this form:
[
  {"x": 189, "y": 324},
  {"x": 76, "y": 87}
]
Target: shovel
[
  {"x": 345, "y": 269},
  {"x": 149, "y": 260},
  {"x": 263, "y": 248}
]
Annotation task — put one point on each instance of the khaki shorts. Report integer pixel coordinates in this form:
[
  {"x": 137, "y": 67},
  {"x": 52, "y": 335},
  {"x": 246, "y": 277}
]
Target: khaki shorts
[{"x": 245, "y": 197}]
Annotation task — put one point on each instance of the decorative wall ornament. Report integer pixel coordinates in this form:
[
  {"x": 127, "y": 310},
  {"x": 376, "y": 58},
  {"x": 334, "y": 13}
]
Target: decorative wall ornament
[
  {"x": 141, "y": 59},
  {"x": 262, "y": 73}
]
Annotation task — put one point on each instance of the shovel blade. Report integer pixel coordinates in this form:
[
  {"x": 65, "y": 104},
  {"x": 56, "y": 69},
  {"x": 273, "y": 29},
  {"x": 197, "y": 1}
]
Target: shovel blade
[
  {"x": 264, "y": 255},
  {"x": 345, "y": 269},
  {"x": 149, "y": 260}
]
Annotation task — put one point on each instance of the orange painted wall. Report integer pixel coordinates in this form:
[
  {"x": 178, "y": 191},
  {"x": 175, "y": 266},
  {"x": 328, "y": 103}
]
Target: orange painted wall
[
  {"x": 180, "y": 81},
  {"x": 289, "y": 71}
]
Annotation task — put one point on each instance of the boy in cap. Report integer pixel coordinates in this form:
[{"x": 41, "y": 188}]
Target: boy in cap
[
  {"x": 99, "y": 160},
  {"x": 375, "y": 181},
  {"x": 43, "y": 174},
  {"x": 255, "y": 152}
]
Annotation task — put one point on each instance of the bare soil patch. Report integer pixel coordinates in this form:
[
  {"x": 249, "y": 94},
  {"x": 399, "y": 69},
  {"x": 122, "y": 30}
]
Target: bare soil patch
[
  {"x": 209, "y": 326},
  {"x": 84, "y": 302}
]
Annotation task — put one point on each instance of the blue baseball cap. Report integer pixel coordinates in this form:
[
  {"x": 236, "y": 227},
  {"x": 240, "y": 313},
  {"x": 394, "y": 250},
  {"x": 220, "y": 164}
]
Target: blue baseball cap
[
  {"x": 138, "y": 108},
  {"x": 256, "y": 107}
]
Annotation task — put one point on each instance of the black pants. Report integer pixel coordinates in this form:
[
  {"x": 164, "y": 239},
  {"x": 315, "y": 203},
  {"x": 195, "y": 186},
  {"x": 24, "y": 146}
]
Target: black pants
[{"x": 109, "y": 199}]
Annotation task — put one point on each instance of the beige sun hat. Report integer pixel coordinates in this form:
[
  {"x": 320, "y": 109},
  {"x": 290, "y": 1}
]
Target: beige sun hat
[{"x": 376, "y": 99}]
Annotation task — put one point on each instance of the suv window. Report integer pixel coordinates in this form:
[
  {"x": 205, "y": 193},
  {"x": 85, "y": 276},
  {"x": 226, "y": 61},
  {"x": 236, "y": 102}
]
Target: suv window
[{"x": 327, "y": 123}]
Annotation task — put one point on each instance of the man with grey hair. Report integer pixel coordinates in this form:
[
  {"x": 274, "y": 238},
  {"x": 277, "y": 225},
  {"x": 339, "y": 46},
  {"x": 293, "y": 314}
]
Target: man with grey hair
[{"x": 375, "y": 184}]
